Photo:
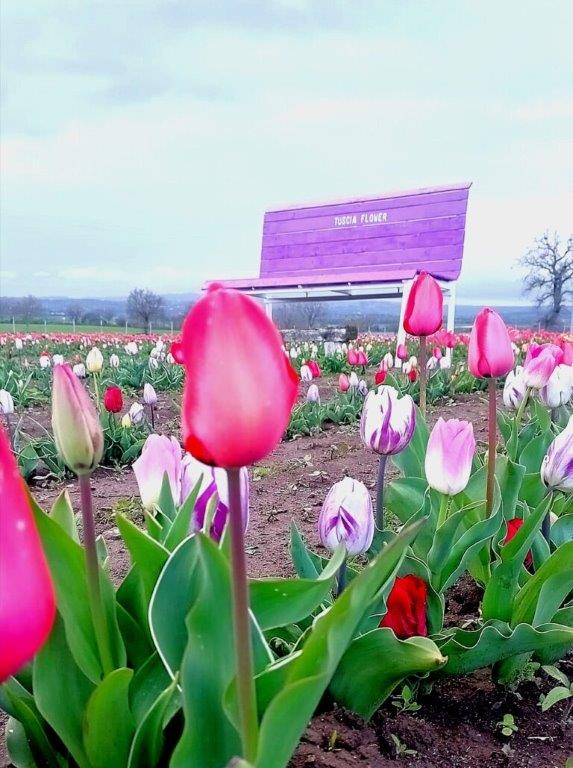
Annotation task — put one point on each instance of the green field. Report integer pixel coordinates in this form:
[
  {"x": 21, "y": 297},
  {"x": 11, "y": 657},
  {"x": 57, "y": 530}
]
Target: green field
[{"x": 68, "y": 328}]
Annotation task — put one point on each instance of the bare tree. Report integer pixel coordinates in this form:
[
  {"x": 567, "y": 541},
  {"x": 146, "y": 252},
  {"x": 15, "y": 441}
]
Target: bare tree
[
  {"x": 28, "y": 308},
  {"x": 143, "y": 306},
  {"x": 550, "y": 274},
  {"x": 306, "y": 315},
  {"x": 75, "y": 312}
]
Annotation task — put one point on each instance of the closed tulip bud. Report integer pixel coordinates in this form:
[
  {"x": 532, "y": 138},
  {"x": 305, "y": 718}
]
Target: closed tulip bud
[
  {"x": 388, "y": 360},
  {"x": 353, "y": 380},
  {"x": 489, "y": 352},
  {"x": 213, "y": 483},
  {"x": 343, "y": 383},
  {"x": 153, "y": 363},
  {"x": 305, "y": 373},
  {"x": 514, "y": 389},
  {"x": 136, "y": 413},
  {"x": 450, "y": 339},
  {"x": 346, "y": 516},
  {"x": 557, "y": 465},
  {"x": 413, "y": 375},
  {"x": 19, "y": 344},
  {"x": 293, "y": 353},
  {"x": 406, "y": 607},
  {"x": 437, "y": 353},
  {"x": 513, "y": 527},
  {"x": 362, "y": 357},
  {"x": 567, "y": 347},
  {"x": 114, "y": 361},
  {"x": 559, "y": 387},
  {"x": 176, "y": 351},
  {"x": 45, "y": 361},
  {"x": 432, "y": 364},
  {"x": 313, "y": 395},
  {"x": 379, "y": 377},
  {"x": 77, "y": 431},
  {"x": 27, "y": 600},
  {"x": 235, "y": 419},
  {"x": 57, "y": 359},
  {"x": 449, "y": 455},
  {"x": 113, "y": 400},
  {"x": 131, "y": 348},
  {"x": 6, "y": 402},
  {"x": 388, "y": 421},
  {"x": 362, "y": 388},
  {"x": 314, "y": 368},
  {"x": 160, "y": 456},
  {"x": 424, "y": 307},
  {"x": 539, "y": 364},
  {"x": 352, "y": 357},
  {"x": 402, "y": 352},
  {"x": 149, "y": 395},
  {"x": 79, "y": 370},
  {"x": 445, "y": 363},
  {"x": 126, "y": 421},
  {"x": 94, "y": 360}
]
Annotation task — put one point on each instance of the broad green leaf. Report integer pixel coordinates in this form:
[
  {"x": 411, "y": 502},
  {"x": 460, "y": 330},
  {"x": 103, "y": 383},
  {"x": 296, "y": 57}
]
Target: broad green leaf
[
  {"x": 470, "y": 650},
  {"x": 148, "y": 740},
  {"x": 26, "y": 715},
  {"x": 533, "y": 453},
  {"x": 181, "y": 526},
  {"x": 149, "y": 681},
  {"x": 62, "y": 691},
  {"x": 306, "y": 563},
  {"x": 555, "y": 695},
  {"x": 539, "y": 599},
  {"x": 509, "y": 476},
  {"x": 63, "y": 513},
  {"x": 288, "y": 693},
  {"x": 365, "y": 678},
  {"x": 108, "y": 722},
  {"x": 562, "y": 530},
  {"x": 411, "y": 460},
  {"x": 17, "y": 745},
  {"x": 278, "y": 602},
  {"x": 166, "y": 502},
  {"x": 66, "y": 559},
  {"x": 149, "y": 555},
  {"x": 502, "y": 587},
  {"x": 208, "y": 664}
]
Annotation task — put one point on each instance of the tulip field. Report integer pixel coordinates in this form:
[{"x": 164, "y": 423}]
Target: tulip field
[{"x": 220, "y": 550}]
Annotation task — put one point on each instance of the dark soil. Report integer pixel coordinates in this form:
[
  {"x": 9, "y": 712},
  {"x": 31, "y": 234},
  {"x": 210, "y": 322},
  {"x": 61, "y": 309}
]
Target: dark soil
[{"x": 456, "y": 725}]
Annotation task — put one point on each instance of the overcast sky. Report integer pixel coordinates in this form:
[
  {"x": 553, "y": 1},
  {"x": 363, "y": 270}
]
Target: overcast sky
[{"x": 142, "y": 140}]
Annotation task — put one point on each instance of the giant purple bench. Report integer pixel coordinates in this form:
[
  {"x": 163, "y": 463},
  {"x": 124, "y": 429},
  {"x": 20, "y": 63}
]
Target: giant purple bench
[{"x": 363, "y": 248}]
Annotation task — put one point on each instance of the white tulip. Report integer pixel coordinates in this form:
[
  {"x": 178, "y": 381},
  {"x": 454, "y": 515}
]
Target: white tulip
[
  {"x": 6, "y": 402},
  {"x": 94, "y": 360}
]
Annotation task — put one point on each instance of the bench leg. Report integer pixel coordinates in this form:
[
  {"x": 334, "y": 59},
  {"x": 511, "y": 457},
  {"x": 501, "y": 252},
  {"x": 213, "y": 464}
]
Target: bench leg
[
  {"x": 401, "y": 336},
  {"x": 269, "y": 309},
  {"x": 451, "y": 321}
]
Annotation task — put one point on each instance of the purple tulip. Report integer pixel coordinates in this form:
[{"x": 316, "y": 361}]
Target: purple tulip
[
  {"x": 213, "y": 482},
  {"x": 346, "y": 516},
  {"x": 557, "y": 465},
  {"x": 449, "y": 455},
  {"x": 388, "y": 421},
  {"x": 160, "y": 455}
]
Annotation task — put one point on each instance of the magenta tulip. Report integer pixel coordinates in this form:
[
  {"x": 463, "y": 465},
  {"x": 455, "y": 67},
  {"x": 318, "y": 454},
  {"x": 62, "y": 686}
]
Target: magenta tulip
[
  {"x": 490, "y": 353},
  {"x": 424, "y": 308},
  {"x": 27, "y": 600}
]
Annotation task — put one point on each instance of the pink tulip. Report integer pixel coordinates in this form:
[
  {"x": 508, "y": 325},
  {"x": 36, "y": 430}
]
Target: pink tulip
[
  {"x": 437, "y": 353},
  {"x": 449, "y": 455},
  {"x": 239, "y": 386},
  {"x": 352, "y": 357},
  {"x": 343, "y": 383},
  {"x": 362, "y": 358},
  {"x": 27, "y": 601},
  {"x": 161, "y": 456},
  {"x": 489, "y": 353},
  {"x": 567, "y": 352},
  {"x": 424, "y": 307},
  {"x": 539, "y": 365},
  {"x": 402, "y": 352}
]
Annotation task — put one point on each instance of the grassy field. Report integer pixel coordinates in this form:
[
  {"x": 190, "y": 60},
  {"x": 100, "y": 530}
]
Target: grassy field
[{"x": 68, "y": 328}]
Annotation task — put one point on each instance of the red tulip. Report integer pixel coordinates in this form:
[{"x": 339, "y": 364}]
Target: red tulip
[
  {"x": 176, "y": 350},
  {"x": 406, "y": 607},
  {"x": 379, "y": 377},
  {"x": 113, "y": 400},
  {"x": 314, "y": 369},
  {"x": 27, "y": 601},
  {"x": 352, "y": 357},
  {"x": 343, "y": 383},
  {"x": 513, "y": 527},
  {"x": 402, "y": 352},
  {"x": 239, "y": 386},
  {"x": 412, "y": 375},
  {"x": 489, "y": 352},
  {"x": 424, "y": 308}
]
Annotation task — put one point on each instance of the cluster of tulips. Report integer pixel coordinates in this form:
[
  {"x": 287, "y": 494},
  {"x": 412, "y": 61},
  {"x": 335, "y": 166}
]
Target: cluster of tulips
[{"x": 188, "y": 662}]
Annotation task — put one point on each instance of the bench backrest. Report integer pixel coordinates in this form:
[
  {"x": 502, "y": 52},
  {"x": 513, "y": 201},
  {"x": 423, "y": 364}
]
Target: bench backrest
[{"x": 421, "y": 229}]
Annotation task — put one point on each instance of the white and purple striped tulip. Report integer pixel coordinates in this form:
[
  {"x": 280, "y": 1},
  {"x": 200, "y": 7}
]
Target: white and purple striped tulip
[
  {"x": 313, "y": 395},
  {"x": 363, "y": 388},
  {"x": 559, "y": 387},
  {"x": 213, "y": 483},
  {"x": 346, "y": 516},
  {"x": 353, "y": 380},
  {"x": 449, "y": 455},
  {"x": 514, "y": 389},
  {"x": 557, "y": 465},
  {"x": 388, "y": 421}
]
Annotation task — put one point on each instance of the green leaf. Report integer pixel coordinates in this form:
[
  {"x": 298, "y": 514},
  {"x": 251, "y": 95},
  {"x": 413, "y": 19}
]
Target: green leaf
[
  {"x": 470, "y": 650},
  {"x": 181, "y": 526},
  {"x": 63, "y": 513},
  {"x": 278, "y": 602},
  {"x": 502, "y": 587},
  {"x": 17, "y": 745},
  {"x": 27, "y": 716},
  {"x": 556, "y": 674},
  {"x": 150, "y": 680},
  {"x": 288, "y": 693},
  {"x": 411, "y": 460},
  {"x": 148, "y": 740},
  {"x": 149, "y": 555},
  {"x": 208, "y": 664},
  {"x": 66, "y": 559},
  {"x": 166, "y": 501},
  {"x": 61, "y": 692},
  {"x": 562, "y": 530},
  {"x": 364, "y": 678},
  {"x": 533, "y": 453},
  {"x": 555, "y": 695},
  {"x": 306, "y": 563},
  {"x": 539, "y": 599},
  {"x": 108, "y": 723}
]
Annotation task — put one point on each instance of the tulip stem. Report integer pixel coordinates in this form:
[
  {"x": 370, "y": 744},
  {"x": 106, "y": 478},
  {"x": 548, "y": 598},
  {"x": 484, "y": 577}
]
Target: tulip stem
[
  {"x": 341, "y": 578},
  {"x": 443, "y": 511},
  {"x": 241, "y": 622},
  {"x": 92, "y": 572},
  {"x": 423, "y": 374},
  {"x": 380, "y": 493},
  {"x": 491, "y": 442},
  {"x": 522, "y": 406},
  {"x": 10, "y": 430},
  {"x": 96, "y": 390}
]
